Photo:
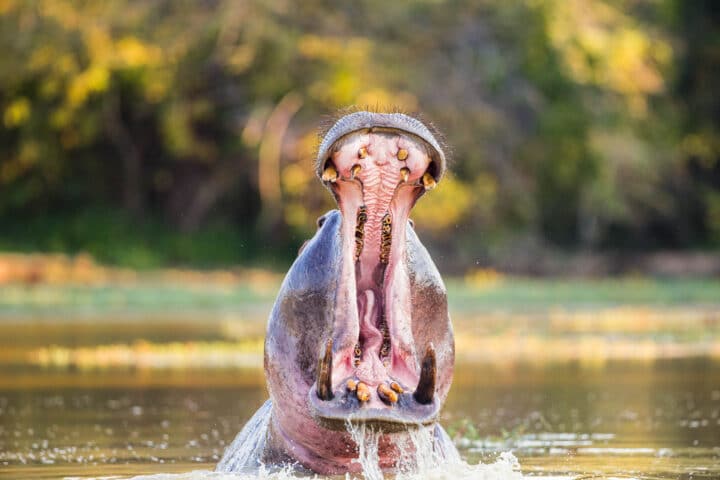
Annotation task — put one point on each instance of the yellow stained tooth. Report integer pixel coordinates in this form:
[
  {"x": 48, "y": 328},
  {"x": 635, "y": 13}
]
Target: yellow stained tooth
[
  {"x": 428, "y": 181},
  {"x": 402, "y": 154},
  {"x": 396, "y": 386},
  {"x": 404, "y": 174},
  {"x": 352, "y": 385},
  {"x": 362, "y": 392},
  {"x": 362, "y": 153},
  {"x": 355, "y": 170},
  {"x": 387, "y": 394},
  {"x": 329, "y": 174}
]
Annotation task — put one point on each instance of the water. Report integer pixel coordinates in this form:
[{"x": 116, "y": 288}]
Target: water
[
  {"x": 429, "y": 454},
  {"x": 244, "y": 452},
  {"x": 658, "y": 419}
]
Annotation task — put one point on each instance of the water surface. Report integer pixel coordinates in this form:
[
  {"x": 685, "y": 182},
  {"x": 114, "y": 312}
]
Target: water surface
[
  {"x": 627, "y": 389},
  {"x": 622, "y": 419}
]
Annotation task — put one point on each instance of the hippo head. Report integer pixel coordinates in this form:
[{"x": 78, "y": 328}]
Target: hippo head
[{"x": 360, "y": 331}]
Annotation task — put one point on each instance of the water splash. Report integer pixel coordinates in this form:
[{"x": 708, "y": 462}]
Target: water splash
[
  {"x": 367, "y": 441},
  {"x": 245, "y": 452},
  {"x": 427, "y": 453}
]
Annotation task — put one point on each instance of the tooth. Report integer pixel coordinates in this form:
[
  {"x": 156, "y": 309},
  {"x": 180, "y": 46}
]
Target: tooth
[
  {"x": 355, "y": 170},
  {"x": 428, "y": 371},
  {"x": 352, "y": 385},
  {"x": 387, "y": 394},
  {"x": 329, "y": 174},
  {"x": 360, "y": 231},
  {"x": 362, "y": 153},
  {"x": 396, "y": 386},
  {"x": 362, "y": 392},
  {"x": 385, "y": 238},
  {"x": 324, "y": 376},
  {"x": 428, "y": 181},
  {"x": 402, "y": 154},
  {"x": 404, "y": 174}
]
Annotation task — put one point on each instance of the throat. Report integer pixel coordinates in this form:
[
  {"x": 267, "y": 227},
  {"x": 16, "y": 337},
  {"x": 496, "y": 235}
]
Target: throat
[
  {"x": 378, "y": 220},
  {"x": 370, "y": 270}
]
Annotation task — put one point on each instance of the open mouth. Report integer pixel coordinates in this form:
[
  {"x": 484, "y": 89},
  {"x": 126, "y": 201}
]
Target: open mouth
[{"x": 371, "y": 371}]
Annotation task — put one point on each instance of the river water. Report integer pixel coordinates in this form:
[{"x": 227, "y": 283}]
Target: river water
[{"x": 621, "y": 419}]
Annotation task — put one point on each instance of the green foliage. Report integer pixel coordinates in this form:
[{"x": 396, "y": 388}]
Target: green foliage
[
  {"x": 579, "y": 123},
  {"x": 114, "y": 237}
]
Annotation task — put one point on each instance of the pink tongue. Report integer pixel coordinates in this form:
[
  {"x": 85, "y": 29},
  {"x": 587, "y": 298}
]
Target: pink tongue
[
  {"x": 371, "y": 369},
  {"x": 372, "y": 372}
]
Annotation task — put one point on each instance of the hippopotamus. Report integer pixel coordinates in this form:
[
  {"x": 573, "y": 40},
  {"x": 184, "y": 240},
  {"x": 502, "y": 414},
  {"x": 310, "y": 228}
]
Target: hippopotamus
[{"x": 360, "y": 332}]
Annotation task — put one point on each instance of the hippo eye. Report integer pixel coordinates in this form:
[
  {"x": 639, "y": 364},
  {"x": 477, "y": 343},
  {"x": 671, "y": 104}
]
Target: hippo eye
[
  {"x": 320, "y": 221},
  {"x": 412, "y": 223}
]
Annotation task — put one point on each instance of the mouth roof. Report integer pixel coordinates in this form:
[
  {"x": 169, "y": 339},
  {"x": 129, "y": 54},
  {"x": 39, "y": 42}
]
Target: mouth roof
[{"x": 369, "y": 370}]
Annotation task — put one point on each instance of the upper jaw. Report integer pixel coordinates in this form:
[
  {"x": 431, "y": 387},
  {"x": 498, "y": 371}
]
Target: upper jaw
[{"x": 372, "y": 122}]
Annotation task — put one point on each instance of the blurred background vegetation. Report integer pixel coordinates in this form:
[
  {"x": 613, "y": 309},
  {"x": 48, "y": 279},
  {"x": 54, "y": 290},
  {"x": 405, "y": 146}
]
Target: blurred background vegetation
[{"x": 181, "y": 132}]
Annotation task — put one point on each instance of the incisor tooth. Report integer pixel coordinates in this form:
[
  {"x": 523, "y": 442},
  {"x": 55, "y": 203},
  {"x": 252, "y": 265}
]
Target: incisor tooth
[
  {"x": 428, "y": 181},
  {"x": 387, "y": 394},
  {"x": 329, "y": 174},
  {"x": 396, "y": 386},
  {"x": 362, "y": 392},
  {"x": 404, "y": 174},
  {"x": 352, "y": 385}
]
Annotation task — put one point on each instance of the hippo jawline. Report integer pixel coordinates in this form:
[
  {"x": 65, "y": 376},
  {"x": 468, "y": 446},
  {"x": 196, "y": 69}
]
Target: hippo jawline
[{"x": 370, "y": 371}]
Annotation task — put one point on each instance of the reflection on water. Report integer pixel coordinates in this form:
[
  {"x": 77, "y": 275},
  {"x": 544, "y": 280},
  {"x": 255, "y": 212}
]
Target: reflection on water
[{"x": 643, "y": 420}]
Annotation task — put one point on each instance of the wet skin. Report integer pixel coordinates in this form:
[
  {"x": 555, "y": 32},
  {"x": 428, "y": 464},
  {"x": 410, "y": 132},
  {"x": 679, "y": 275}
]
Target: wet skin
[{"x": 360, "y": 330}]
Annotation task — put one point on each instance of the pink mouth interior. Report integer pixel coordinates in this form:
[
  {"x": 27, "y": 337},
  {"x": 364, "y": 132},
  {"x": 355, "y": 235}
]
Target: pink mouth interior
[{"x": 379, "y": 179}]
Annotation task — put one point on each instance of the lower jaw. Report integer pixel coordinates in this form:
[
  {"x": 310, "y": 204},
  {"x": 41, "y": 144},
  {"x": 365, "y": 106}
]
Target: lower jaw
[
  {"x": 345, "y": 409},
  {"x": 339, "y": 451},
  {"x": 372, "y": 341}
]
